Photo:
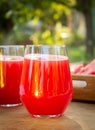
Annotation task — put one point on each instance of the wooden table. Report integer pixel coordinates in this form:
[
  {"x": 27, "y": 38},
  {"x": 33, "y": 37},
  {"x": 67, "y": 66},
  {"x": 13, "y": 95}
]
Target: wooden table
[{"x": 78, "y": 116}]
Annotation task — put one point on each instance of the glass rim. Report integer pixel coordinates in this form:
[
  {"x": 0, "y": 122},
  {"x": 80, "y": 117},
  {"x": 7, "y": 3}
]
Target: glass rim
[
  {"x": 45, "y": 45},
  {"x": 4, "y": 46}
]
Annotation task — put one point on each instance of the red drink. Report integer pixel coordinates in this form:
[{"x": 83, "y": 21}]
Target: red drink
[
  {"x": 46, "y": 87},
  {"x": 10, "y": 74}
]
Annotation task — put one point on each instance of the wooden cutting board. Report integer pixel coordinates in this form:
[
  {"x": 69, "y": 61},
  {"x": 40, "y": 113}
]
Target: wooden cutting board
[
  {"x": 84, "y": 87},
  {"x": 17, "y": 118}
]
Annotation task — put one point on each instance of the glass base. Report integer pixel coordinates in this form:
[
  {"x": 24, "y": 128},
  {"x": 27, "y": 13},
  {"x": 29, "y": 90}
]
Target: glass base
[
  {"x": 10, "y": 105},
  {"x": 47, "y": 116}
]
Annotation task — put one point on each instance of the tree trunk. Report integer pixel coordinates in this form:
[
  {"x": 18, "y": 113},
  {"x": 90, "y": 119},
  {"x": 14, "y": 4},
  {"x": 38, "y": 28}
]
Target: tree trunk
[
  {"x": 85, "y": 7},
  {"x": 89, "y": 35}
]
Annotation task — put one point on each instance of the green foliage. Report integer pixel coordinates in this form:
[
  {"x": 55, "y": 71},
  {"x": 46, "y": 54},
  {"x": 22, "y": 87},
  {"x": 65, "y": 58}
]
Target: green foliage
[
  {"x": 76, "y": 53},
  {"x": 41, "y": 22},
  {"x": 17, "y": 13},
  {"x": 22, "y": 10}
]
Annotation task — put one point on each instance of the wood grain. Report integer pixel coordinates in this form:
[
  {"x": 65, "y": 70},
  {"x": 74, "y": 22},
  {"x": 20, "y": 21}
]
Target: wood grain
[
  {"x": 17, "y": 118},
  {"x": 84, "y": 93}
]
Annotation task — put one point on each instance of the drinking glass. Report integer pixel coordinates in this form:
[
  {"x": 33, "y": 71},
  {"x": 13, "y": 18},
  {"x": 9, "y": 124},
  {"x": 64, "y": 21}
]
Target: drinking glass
[
  {"x": 11, "y": 62},
  {"x": 46, "y": 84}
]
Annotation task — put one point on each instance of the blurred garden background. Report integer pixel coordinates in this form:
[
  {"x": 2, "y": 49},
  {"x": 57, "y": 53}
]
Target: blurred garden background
[{"x": 57, "y": 22}]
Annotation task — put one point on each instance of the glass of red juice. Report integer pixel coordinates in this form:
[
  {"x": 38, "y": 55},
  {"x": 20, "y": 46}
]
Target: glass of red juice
[
  {"x": 46, "y": 85},
  {"x": 11, "y": 63}
]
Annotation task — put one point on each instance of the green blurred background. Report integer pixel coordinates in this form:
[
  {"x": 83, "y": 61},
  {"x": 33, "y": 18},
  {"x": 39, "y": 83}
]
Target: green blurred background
[{"x": 70, "y": 22}]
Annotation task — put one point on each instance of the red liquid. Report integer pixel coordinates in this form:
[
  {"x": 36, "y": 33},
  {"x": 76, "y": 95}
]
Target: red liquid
[
  {"x": 46, "y": 87},
  {"x": 10, "y": 75}
]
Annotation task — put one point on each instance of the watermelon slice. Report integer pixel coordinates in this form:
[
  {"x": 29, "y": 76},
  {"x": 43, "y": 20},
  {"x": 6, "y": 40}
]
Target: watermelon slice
[
  {"x": 76, "y": 67},
  {"x": 88, "y": 69}
]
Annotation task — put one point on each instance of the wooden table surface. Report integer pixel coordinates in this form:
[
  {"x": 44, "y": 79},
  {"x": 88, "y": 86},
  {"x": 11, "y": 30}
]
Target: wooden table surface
[{"x": 78, "y": 116}]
